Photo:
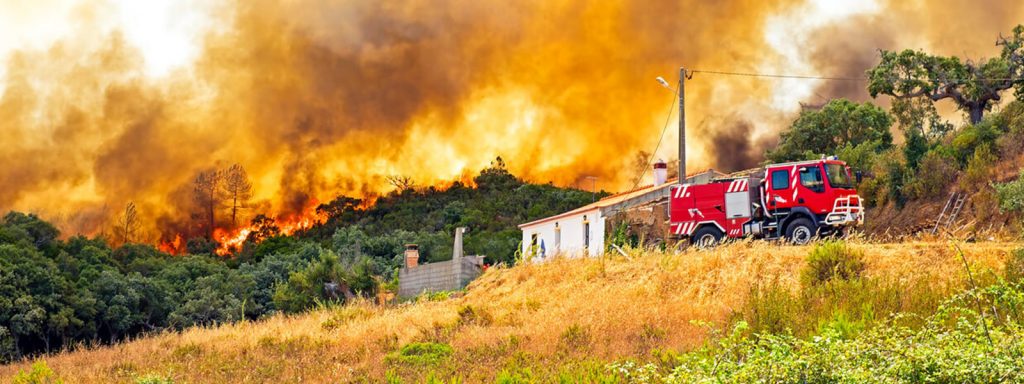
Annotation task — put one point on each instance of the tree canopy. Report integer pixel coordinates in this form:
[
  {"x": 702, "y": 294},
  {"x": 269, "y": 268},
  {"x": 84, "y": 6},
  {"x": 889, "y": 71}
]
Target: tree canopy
[
  {"x": 838, "y": 124},
  {"x": 58, "y": 293},
  {"x": 973, "y": 85}
]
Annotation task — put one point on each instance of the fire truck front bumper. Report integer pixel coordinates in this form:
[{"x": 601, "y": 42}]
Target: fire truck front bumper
[
  {"x": 846, "y": 212},
  {"x": 845, "y": 219}
]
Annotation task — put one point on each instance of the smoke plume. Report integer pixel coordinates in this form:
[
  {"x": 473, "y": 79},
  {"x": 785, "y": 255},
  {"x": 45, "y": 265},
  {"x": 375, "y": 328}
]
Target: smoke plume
[{"x": 319, "y": 98}]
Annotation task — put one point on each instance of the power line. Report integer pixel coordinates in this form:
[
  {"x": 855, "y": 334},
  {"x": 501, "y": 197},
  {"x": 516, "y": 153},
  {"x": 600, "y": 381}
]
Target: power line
[
  {"x": 781, "y": 76},
  {"x": 672, "y": 107},
  {"x": 841, "y": 78}
]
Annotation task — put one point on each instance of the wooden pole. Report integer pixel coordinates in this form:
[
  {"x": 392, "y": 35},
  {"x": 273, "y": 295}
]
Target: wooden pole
[{"x": 682, "y": 126}]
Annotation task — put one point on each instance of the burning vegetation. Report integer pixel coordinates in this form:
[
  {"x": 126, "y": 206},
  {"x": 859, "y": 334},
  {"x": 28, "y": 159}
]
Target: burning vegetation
[{"x": 317, "y": 99}]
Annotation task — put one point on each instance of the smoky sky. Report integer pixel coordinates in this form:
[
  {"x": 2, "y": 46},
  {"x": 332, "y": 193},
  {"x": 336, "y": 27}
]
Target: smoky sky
[{"x": 318, "y": 98}]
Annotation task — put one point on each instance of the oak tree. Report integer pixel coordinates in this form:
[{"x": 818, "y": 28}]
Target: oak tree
[{"x": 973, "y": 85}]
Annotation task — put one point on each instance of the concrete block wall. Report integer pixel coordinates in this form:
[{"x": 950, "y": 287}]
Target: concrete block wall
[{"x": 439, "y": 276}]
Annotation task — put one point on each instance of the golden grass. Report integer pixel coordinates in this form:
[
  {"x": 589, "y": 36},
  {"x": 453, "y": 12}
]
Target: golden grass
[{"x": 623, "y": 308}]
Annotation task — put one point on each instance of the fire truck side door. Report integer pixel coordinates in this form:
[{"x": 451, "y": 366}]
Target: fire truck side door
[{"x": 737, "y": 205}]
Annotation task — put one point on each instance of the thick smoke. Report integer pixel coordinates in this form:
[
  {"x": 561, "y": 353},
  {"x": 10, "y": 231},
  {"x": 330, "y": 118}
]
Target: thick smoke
[{"x": 320, "y": 98}]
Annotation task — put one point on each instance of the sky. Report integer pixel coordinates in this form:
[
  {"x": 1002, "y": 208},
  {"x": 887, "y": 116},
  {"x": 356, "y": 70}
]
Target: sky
[{"x": 108, "y": 102}]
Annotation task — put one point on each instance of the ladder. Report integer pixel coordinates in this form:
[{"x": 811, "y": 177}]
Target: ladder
[{"x": 949, "y": 212}]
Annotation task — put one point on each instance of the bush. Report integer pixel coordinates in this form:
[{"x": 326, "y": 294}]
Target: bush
[
  {"x": 890, "y": 173},
  {"x": 40, "y": 373},
  {"x": 771, "y": 308},
  {"x": 950, "y": 347},
  {"x": 932, "y": 177},
  {"x": 979, "y": 170},
  {"x": 420, "y": 354},
  {"x": 1011, "y": 194},
  {"x": 831, "y": 260}
]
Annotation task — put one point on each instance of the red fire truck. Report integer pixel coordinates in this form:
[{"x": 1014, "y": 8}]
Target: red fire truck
[{"x": 796, "y": 201}]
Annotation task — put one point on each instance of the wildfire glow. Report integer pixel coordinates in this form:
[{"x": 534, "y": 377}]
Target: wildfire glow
[
  {"x": 108, "y": 102},
  {"x": 230, "y": 241}
]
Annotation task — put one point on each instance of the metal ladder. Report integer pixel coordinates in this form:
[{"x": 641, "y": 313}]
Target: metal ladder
[{"x": 949, "y": 212}]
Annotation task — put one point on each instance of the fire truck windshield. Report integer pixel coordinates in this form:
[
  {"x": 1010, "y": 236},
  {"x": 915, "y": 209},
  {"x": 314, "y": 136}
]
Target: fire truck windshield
[{"x": 837, "y": 176}]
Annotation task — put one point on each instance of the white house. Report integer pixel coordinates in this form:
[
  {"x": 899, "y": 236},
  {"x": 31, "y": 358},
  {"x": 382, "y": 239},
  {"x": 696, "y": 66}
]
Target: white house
[{"x": 582, "y": 231}]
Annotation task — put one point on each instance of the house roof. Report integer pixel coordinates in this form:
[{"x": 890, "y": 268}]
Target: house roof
[{"x": 614, "y": 199}]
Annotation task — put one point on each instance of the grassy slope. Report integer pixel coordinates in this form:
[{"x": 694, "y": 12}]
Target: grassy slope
[{"x": 616, "y": 308}]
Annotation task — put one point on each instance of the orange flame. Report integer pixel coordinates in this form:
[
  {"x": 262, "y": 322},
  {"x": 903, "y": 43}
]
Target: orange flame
[
  {"x": 230, "y": 241},
  {"x": 173, "y": 247}
]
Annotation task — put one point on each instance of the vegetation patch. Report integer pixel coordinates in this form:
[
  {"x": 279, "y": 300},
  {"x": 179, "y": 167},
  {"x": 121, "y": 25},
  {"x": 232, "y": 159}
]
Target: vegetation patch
[
  {"x": 833, "y": 260},
  {"x": 187, "y": 351},
  {"x": 154, "y": 379},
  {"x": 474, "y": 315},
  {"x": 957, "y": 344},
  {"x": 343, "y": 315},
  {"x": 39, "y": 373},
  {"x": 576, "y": 338},
  {"x": 420, "y": 354}
]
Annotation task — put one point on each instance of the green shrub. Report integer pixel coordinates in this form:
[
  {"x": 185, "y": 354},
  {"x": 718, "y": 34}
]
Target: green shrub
[
  {"x": 421, "y": 354},
  {"x": 934, "y": 172},
  {"x": 951, "y": 346},
  {"x": 1011, "y": 194},
  {"x": 979, "y": 170},
  {"x": 40, "y": 373},
  {"x": 972, "y": 138},
  {"x": 890, "y": 173},
  {"x": 831, "y": 260},
  {"x": 771, "y": 308}
]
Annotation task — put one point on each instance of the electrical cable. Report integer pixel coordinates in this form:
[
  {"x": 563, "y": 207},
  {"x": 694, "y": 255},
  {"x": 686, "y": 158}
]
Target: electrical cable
[
  {"x": 672, "y": 107},
  {"x": 833, "y": 78}
]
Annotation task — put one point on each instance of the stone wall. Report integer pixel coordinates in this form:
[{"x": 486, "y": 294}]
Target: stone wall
[{"x": 440, "y": 276}]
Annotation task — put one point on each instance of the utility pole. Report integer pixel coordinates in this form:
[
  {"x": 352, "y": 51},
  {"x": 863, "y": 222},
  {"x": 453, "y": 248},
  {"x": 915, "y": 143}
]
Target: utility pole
[{"x": 682, "y": 126}]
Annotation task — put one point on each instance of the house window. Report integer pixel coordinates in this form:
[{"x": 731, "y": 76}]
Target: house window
[
  {"x": 780, "y": 179},
  {"x": 586, "y": 233},
  {"x": 533, "y": 244}
]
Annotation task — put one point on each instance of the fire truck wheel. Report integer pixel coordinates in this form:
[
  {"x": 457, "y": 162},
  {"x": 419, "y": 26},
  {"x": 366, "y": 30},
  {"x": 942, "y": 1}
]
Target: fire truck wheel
[
  {"x": 800, "y": 231},
  {"x": 706, "y": 237}
]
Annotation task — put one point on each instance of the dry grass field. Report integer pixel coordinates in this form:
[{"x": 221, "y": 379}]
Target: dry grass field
[{"x": 563, "y": 315}]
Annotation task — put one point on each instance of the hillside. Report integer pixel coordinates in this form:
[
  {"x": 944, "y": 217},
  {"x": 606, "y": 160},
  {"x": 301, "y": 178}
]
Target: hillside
[{"x": 565, "y": 318}]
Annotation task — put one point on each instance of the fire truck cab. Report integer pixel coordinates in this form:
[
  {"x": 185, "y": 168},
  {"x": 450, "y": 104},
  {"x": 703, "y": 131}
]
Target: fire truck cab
[{"x": 796, "y": 201}]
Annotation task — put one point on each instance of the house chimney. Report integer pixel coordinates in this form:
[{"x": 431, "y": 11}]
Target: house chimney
[
  {"x": 660, "y": 172},
  {"x": 457, "y": 251},
  {"x": 412, "y": 255}
]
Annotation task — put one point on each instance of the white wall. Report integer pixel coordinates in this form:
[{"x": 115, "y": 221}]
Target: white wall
[{"x": 571, "y": 235}]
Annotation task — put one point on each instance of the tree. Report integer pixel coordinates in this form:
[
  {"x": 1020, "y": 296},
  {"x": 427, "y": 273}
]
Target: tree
[
  {"x": 973, "y": 86},
  {"x": 237, "y": 189},
  {"x": 324, "y": 279},
  {"x": 204, "y": 192},
  {"x": 263, "y": 228},
  {"x": 400, "y": 182},
  {"x": 839, "y": 123},
  {"x": 341, "y": 207},
  {"x": 128, "y": 224},
  {"x": 496, "y": 177}
]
